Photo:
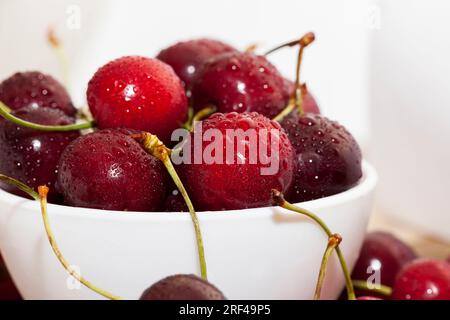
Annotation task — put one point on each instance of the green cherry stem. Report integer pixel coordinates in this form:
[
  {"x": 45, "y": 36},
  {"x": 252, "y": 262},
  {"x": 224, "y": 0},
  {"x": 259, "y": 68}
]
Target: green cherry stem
[
  {"x": 5, "y": 113},
  {"x": 156, "y": 148},
  {"x": 43, "y": 191},
  {"x": 20, "y": 185},
  {"x": 333, "y": 242},
  {"x": 279, "y": 200},
  {"x": 200, "y": 115},
  {"x": 380, "y": 289},
  {"x": 187, "y": 125},
  {"x": 296, "y": 100}
]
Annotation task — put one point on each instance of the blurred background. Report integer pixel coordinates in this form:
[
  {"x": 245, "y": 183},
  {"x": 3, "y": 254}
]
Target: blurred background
[{"x": 380, "y": 67}]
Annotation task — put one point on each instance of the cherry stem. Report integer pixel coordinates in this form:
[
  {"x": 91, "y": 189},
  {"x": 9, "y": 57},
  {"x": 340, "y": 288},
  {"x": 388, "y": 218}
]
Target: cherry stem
[
  {"x": 380, "y": 289},
  {"x": 251, "y": 48},
  {"x": 279, "y": 200},
  {"x": 187, "y": 125},
  {"x": 43, "y": 191},
  {"x": 20, "y": 185},
  {"x": 333, "y": 242},
  {"x": 60, "y": 52},
  {"x": 5, "y": 113},
  {"x": 156, "y": 148},
  {"x": 200, "y": 115},
  {"x": 296, "y": 99}
]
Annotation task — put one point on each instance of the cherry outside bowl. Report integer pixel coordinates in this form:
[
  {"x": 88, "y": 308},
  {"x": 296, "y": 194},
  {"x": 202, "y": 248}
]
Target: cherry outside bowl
[{"x": 263, "y": 253}]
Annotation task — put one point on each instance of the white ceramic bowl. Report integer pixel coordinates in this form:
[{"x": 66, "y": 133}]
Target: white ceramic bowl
[{"x": 264, "y": 253}]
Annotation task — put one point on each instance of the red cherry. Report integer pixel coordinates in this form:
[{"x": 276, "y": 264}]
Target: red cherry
[
  {"x": 109, "y": 170},
  {"x": 8, "y": 290},
  {"x": 187, "y": 57},
  {"x": 241, "y": 82},
  {"x": 32, "y": 156},
  {"x": 423, "y": 279},
  {"x": 226, "y": 186},
  {"x": 328, "y": 158},
  {"x": 138, "y": 93},
  {"x": 381, "y": 252},
  {"x": 175, "y": 202},
  {"x": 182, "y": 287},
  {"x": 37, "y": 89}
]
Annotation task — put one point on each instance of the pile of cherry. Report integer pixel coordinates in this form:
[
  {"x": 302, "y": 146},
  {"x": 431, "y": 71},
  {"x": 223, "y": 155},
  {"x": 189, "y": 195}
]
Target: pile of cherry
[{"x": 41, "y": 143}]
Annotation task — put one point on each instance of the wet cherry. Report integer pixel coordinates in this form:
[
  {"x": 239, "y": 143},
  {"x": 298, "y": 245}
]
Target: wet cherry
[
  {"x": 423, "y": 279},
  {"x": 182, "y": 287},
  {"x": 32, "y": 156},
  {"x": 109, "y": 170},
  {"x": 138, "y": 93},
  {"x": 37, "y": 89},
  {"x": 383, "y": 253},
  {"x": 175, "y": 202},
  {"x": 187, "y": 57},
  {"x": 328, "y": 159},
  {"x": 241, "y": 82},
  {"x": 238, "y": 182}
]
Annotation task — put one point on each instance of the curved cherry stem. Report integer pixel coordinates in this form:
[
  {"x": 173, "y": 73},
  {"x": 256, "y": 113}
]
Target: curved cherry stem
[
  {"x": 333, "y": 242},
  {"x": 43, "y": 191},
  {"x": 156, "y": 148},
  {"x": 5, "y": 113},
  {"x": 20, "y": 185},
  {"x": 380, "y": 289},
  {"x": 187, "y": 125},
  {"x": 296, "y": 99},
  {"x": 279, "y": 200},
  {"x": 60, "y": 52},
  {"x": 200, "y": 115}
]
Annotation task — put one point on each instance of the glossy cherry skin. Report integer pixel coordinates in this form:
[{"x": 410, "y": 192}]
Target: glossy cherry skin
[
  {"x": 138, "y": 93},
  {"x": 238, "y": 184},
  {"x": 8, "y": 290},
  {"x": 384, "y": 253},
  {"x": 423, "y": 279},
  {"x": 32, "y": 156},
  {"x": 175, "y": 202},
  {"x": 328, "y": 159},
  {"x": 187, "y": 57},
  {"x": 109, "y": 170},
  {"x": 241, "y": 82},
  {"x": 37, "y": 89},
  {"x": 182, "y": 287}
]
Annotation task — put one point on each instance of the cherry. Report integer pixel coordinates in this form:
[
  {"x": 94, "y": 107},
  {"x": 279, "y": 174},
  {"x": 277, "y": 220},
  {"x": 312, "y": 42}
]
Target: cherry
[
  {"x": 8, "y": 290},
  {"x": 327, "y": 156},
  {"x": 423, "y": 279},
  {"x": 138, "y": 93},
  {"x": 35, "y": 88},
  {"x": 241, "y": 82},
  {"x": 383, "y": 253},
  {"x": 109, "y": 170},
  {"x": 32, "y": 156},
  {"x": 237, "y": 183},
  {"x": 186, "y": 58},
  {"x": 182, "y": 287},
  {"x": 175, "y": 202}
]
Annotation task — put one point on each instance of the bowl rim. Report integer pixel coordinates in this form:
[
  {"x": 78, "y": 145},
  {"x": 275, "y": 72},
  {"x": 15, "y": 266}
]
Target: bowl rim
[{"x": 365, "y": 185}]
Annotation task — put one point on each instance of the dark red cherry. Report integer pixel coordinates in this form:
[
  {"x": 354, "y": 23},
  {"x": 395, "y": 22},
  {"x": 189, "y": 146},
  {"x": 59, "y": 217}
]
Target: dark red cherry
[
  {"x": 36, "y": 89},
  {"x": 138, "y": 93},
  {"x": 328, "y": 159},
  {"x": 187, "y": 57},
  {"x": 109, "y": 170},
  {"x": 383, "y": 253},
  {"x": 182, "y": 287},
  {"x": 423, "y": 279},
  {"x": 309, "y": 103},
  {"x": 32, "y": 156},
  {"x": 243, "y": 180},
  {"x": 175, "y": 202},
  {"x": 241, "y": 82},
  {"x": 8, "y": 290}
]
